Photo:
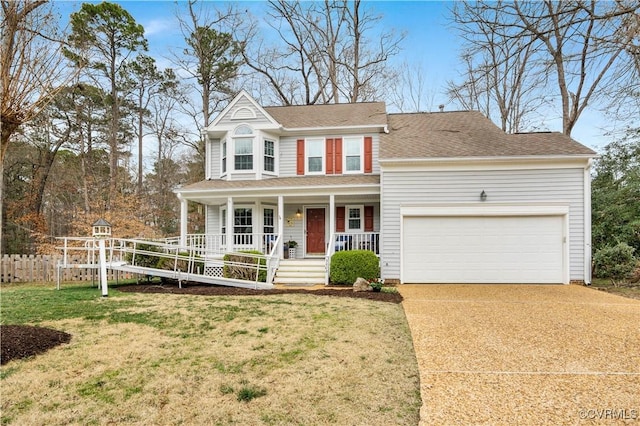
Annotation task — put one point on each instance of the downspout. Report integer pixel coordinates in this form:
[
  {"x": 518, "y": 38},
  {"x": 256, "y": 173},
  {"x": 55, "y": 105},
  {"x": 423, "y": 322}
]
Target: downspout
[{"x": 587, "y": 223}]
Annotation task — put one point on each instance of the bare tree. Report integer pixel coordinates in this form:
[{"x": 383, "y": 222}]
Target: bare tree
[
  {"x": 409, "y": 89},
  {"x": 499, "y": 79},
  {"x": 578, "y": 44},
  {"x": 32, "y": 68},
  {"x": 326, "y": 52}
]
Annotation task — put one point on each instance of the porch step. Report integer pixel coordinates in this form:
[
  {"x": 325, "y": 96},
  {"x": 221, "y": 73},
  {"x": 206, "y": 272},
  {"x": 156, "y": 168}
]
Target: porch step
[{"x": 300, "y": 272}]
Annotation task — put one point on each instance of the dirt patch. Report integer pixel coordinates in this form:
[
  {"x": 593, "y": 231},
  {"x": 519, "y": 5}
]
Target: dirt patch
[
  {"x": 214, "y": 290},
  {"x": 630, "y": 291},
  {"x": 23, "y": 341}
]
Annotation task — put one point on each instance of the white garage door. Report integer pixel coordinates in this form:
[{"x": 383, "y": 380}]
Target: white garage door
[{"x": 492, "y": 249}]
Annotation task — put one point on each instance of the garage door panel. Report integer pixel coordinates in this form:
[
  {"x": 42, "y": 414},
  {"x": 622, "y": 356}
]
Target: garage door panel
[{"x": 500, "y": 249}]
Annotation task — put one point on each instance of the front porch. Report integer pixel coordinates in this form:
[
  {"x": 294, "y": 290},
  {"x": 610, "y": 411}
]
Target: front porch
[
  {"x": 317, "y": 215},
  {"x": 316, "y": 225}
]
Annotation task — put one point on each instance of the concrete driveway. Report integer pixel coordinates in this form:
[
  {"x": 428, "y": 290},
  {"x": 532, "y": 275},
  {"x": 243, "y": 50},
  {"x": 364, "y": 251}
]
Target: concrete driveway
[{"x": 525, "y": 354}]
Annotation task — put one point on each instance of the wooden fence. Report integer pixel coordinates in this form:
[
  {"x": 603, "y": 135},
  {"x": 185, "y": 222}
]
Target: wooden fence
[{"x": 18, "y": 268}]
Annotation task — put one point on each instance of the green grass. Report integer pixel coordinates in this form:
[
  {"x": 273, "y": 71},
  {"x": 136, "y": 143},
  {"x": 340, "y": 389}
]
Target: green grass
[{"x": 34, "y": 304}]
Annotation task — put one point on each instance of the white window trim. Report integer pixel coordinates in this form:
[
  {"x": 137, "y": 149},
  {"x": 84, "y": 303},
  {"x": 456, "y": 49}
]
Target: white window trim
[
  {"x": 253, "y": 215},
  {"x": 346, "y": 219},
  {"x": 224, "y": 157},
  {"x": 322, "y": 156},
  {"x": 359, "y": 139},
  {"x": 275, "y": 218},
  {"x": 231, "y": 148},
  {"x": 275, "y": 156}
]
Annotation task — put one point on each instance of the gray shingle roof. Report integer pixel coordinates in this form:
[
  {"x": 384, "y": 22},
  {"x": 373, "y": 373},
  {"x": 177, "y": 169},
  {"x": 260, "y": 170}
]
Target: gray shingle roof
[
  {"x": 332, "y": 115},
  {"x": 466, "y": 134}
]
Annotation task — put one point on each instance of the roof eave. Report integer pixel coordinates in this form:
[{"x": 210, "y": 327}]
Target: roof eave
[
  {"x": 292, "y": 130},
  {"x": 501, "y": 158}
]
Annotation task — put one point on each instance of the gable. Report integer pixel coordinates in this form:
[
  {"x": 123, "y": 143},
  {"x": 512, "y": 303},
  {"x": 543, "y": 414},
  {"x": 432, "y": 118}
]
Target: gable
[{"x": 243, "y": 109}]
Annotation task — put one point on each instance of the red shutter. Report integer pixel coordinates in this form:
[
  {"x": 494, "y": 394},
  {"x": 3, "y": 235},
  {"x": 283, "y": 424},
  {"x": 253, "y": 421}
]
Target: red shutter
[
  {"x": 339, "y": 219},
  {"x": 368, "y": 218},
  {"x": 368, "y": 154},
  {"x": 338, "y": 156},
  {"x": 329, "y": 154},
  {"x": 300, "y": 157}
]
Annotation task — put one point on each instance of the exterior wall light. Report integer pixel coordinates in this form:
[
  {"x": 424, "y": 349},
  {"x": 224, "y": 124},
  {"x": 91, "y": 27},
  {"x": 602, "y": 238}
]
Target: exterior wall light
[{"x": 483, "y": 196}]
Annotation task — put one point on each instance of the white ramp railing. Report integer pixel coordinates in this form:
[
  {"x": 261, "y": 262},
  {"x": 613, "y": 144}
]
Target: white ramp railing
[{"x": 169, "y": 260}]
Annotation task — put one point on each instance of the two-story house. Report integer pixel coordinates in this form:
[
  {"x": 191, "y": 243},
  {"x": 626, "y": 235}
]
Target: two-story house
[{"x": 444, "y": 197}]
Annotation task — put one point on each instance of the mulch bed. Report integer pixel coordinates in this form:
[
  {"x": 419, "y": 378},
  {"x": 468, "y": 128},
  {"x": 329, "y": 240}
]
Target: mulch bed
[
  {"x": 23, "y": 341},
  {"x": 214, "y": 290}
]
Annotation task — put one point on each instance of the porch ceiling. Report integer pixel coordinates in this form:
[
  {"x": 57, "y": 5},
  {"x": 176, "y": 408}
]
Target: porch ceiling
[{"x": 303, "y": 187}]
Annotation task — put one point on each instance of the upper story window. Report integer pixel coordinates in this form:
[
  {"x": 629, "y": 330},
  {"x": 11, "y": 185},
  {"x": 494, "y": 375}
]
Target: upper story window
[
  {"x": 243, "y": 148},
  {"x": 224, "y": 156},
  {"x": 314, "y": 156},
  {"x": 269, "y": 156},
  {"x": 334, "y": 155},
  {"x": 353, "y": 147}
]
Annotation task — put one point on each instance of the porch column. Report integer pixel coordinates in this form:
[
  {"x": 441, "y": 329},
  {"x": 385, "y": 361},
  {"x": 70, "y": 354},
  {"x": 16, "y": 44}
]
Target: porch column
[
  {"x": 184, "y": 215},
  {"x": 230, "y": 221},
  {"x": 281, "y": 226},
  {"x": 332, "y": 215}
]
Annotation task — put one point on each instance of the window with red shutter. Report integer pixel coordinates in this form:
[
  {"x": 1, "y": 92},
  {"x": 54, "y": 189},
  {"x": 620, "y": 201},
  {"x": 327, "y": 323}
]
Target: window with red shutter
[
  {"x": 329, "y": 154},
  {"x": 368, "y": 154},
  {"x": 338, "y": 156},
  {"x": 339, "y": 219},
  {"x": 368, "y": 218}
]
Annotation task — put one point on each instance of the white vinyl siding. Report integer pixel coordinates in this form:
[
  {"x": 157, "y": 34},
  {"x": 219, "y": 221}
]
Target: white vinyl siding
[
  {"x": 563, "y": 185},
  {"x": 213, "y": 159},
  {"x": 212, "y": 219}
]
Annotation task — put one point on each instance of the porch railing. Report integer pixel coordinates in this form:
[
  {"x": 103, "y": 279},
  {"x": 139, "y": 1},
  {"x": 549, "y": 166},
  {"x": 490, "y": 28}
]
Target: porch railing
[
  {"x": 216, "y": 244},
  {"x": 360, "y": 241}
]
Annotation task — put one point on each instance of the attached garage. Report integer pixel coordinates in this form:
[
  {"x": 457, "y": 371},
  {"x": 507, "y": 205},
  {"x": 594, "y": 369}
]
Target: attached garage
[{"x": 484, "y": 244}]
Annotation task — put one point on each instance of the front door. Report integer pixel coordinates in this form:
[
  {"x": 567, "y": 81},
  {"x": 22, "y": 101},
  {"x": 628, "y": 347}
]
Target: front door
[{"x": 315, "y": 230}]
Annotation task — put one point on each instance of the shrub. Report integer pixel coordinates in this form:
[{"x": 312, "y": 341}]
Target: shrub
[
  {"x": 146, "y": 260},
  {"x": 168, "y": 263},
  {"x": 347, "y": 266},
  {"x": 615, "y": 262},
  {"x": 245, "y": 272}
]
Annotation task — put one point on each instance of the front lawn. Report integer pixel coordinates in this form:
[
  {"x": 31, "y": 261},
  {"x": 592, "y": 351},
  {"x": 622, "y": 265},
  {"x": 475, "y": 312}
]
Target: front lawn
[{"x": 181, "y": 359}]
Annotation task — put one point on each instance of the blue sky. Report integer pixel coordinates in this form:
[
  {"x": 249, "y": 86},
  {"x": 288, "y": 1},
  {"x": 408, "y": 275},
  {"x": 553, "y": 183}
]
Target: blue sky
[{"x": 429, "y": 44}]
